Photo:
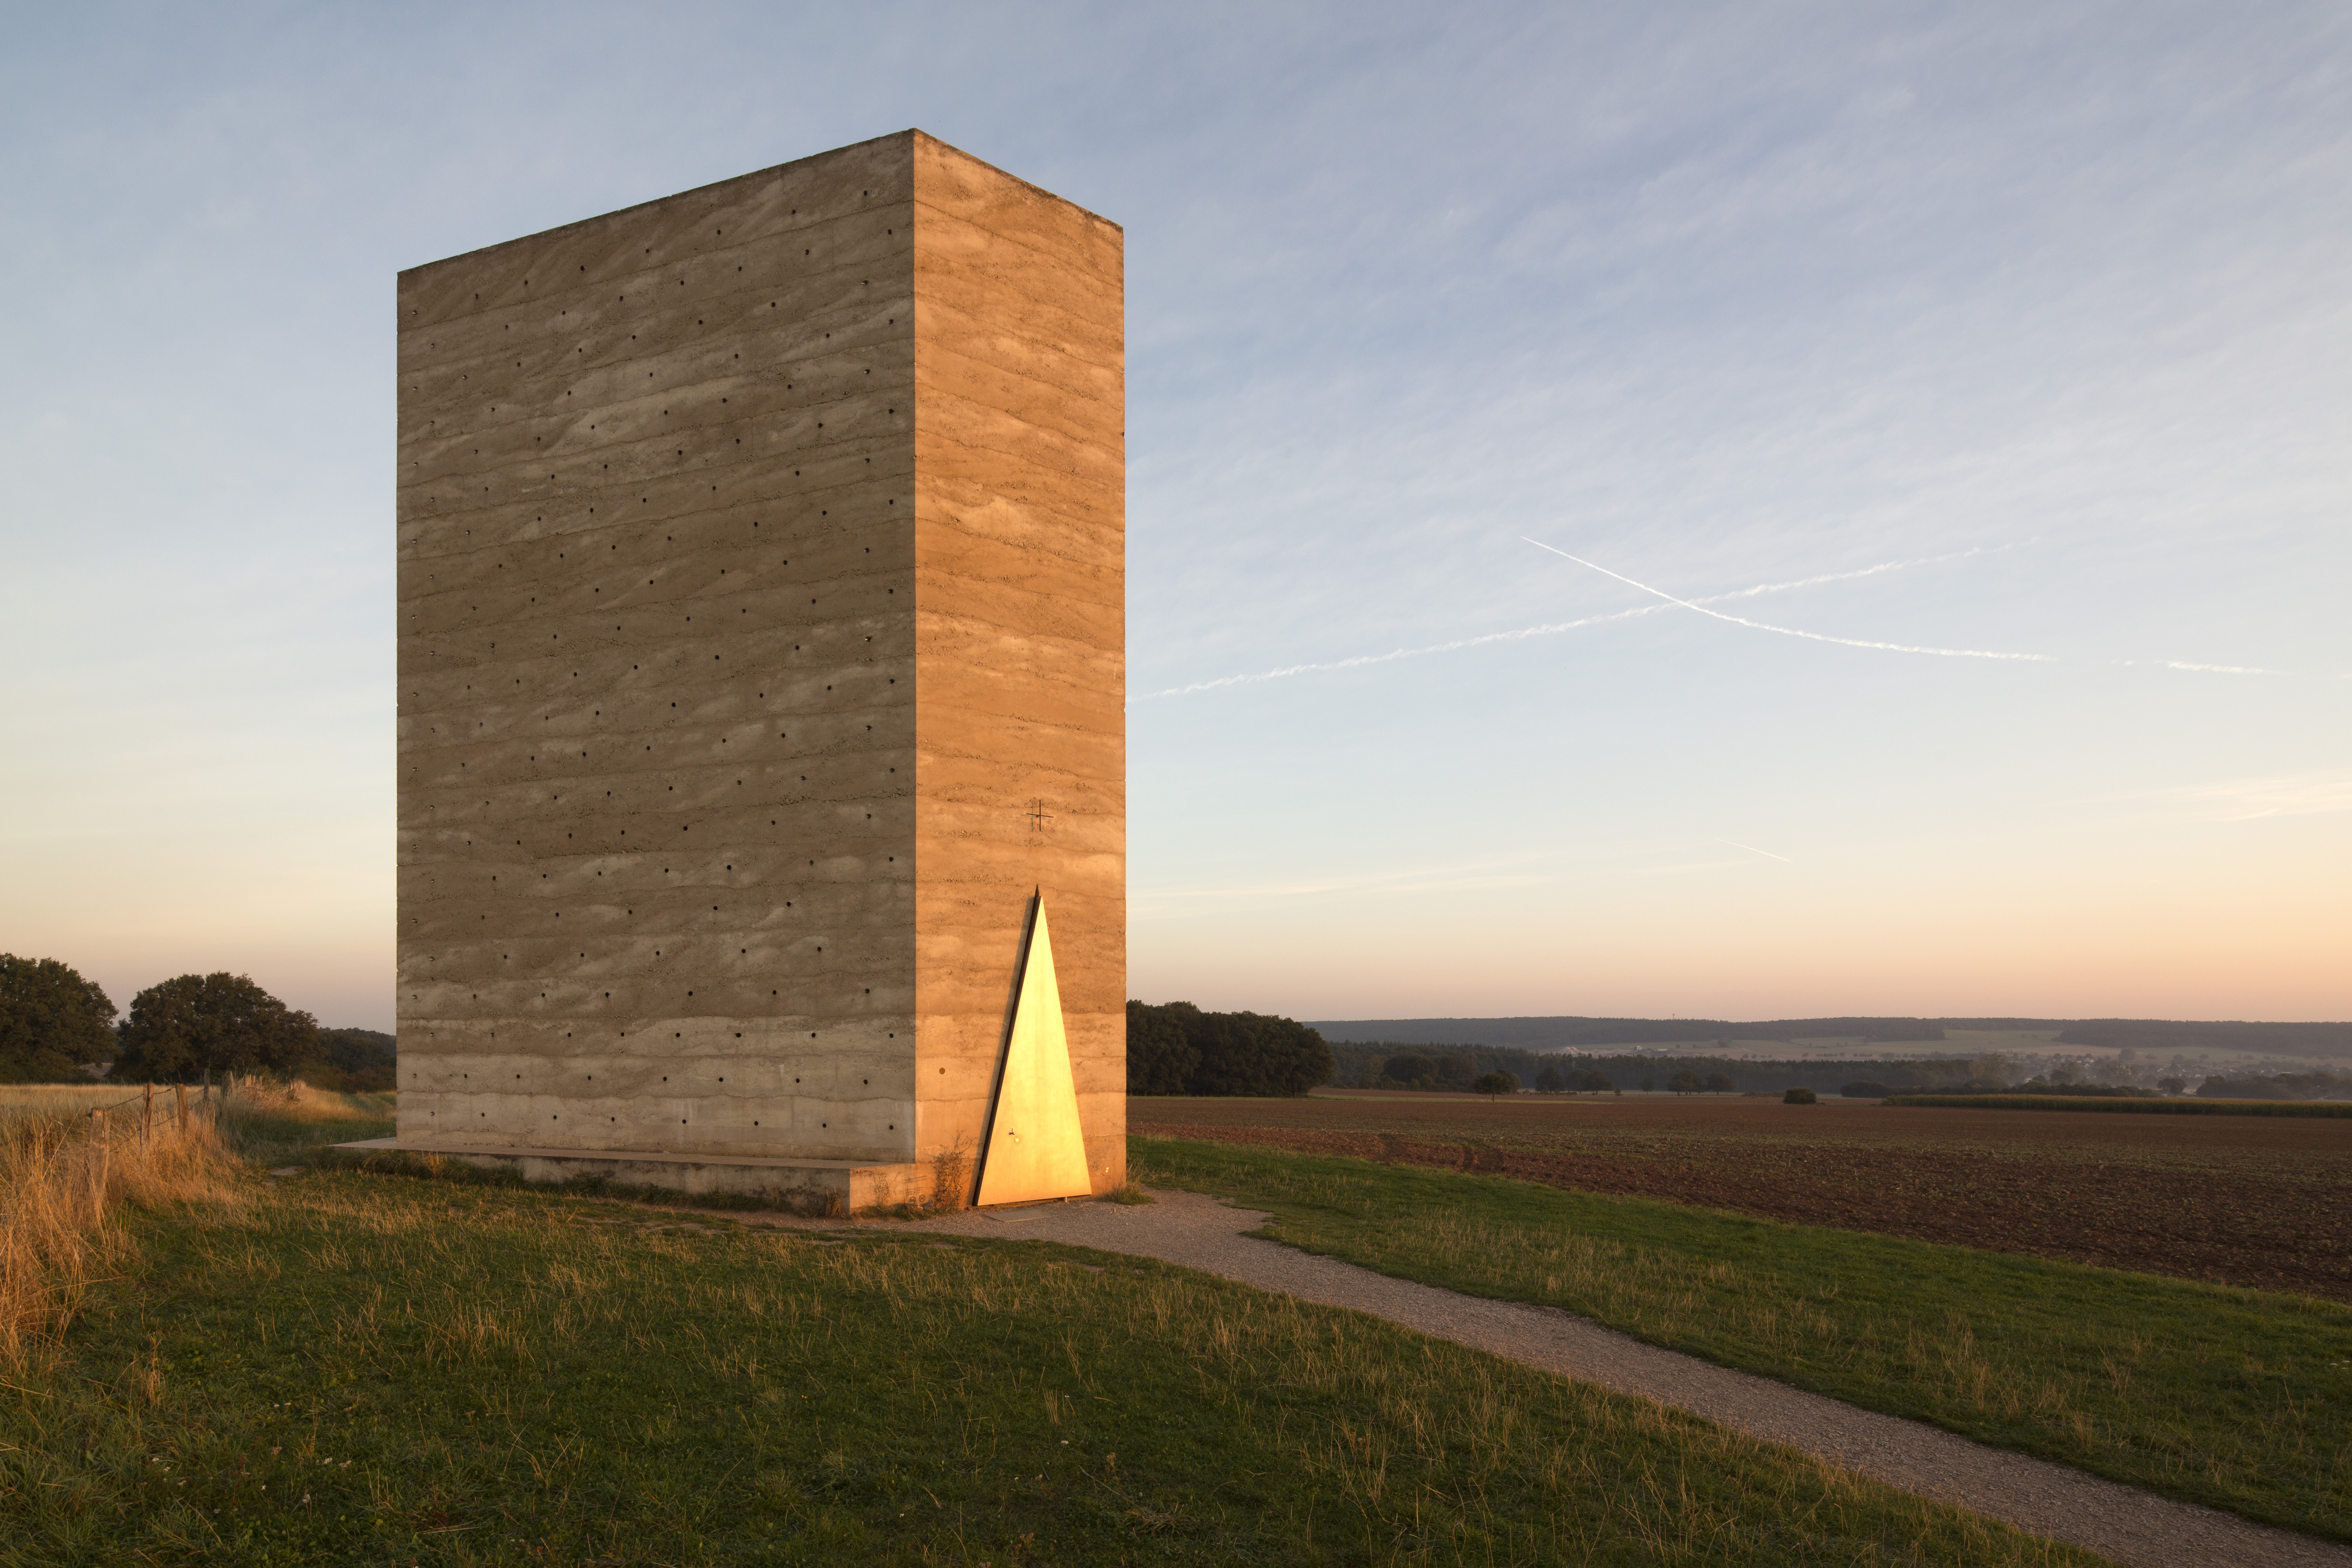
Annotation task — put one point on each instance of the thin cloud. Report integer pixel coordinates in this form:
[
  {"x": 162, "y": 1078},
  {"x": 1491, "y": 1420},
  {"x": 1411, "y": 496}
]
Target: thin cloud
[
  {"x": 2317, "y": 793},
  {"x": 1480, "y": 874}
]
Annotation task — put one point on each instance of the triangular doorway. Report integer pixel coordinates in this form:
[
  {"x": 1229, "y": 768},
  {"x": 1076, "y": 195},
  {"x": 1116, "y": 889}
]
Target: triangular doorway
[{"x": 1035, "y": 1147}]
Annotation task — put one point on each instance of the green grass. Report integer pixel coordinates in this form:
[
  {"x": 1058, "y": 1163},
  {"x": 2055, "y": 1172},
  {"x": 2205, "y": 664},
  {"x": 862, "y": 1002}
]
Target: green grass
[
  {"x": 2235, "y": 1398},
  {"x": 277, "y": 1136},
  {"x": 2129, "y": 1104},
  {"x": 356, "y": 1368}
]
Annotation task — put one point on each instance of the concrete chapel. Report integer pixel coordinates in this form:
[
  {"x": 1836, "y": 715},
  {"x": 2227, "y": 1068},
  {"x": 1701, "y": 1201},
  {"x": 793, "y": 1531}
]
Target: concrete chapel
[{"x": 761, "y": 736}]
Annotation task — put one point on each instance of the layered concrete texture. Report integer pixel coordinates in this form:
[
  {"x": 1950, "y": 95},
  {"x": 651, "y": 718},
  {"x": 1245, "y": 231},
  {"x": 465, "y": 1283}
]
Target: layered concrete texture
[{"x": 761, "y": 655}]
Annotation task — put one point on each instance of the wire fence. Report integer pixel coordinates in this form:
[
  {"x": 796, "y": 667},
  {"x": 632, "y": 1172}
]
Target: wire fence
[{"x": 176, "y": 1108}]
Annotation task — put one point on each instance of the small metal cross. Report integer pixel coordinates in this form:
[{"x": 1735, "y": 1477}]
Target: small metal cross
[{"x": 1037, "y": 818}]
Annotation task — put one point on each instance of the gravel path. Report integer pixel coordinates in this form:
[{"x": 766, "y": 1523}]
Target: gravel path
[{"x": 2131, "y": 1527}]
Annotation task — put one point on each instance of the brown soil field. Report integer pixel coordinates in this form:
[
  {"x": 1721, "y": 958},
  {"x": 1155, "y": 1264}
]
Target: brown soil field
[{"x": 2265, "y": 1202}]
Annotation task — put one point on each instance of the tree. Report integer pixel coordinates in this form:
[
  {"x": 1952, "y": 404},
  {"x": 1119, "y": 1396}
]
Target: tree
[
  {"x": 1552, "y": 1080},
  {"x": 1649, "y": 1084},
  {"x": 1177, "y": 1048},
  {"x": 1685, "y": 1082},
  {"x": 1412, "y": 1071},
  {"x": 1254, "y": 1053},
  {"x": 1718, "y": 1083},
  {"x": 1160, "y": 1060},
  {"x": 51, "y": 1020},
  {"x": 1595, "y": 1080},
  {"x": 1497, "y": 1083},
  {"x": 1800, "y": 1097},
  {"x": 1456, "y": 1071},
  {"x": 213, "y": 1023},
  {"x": 356, "y": 1061},
  {"x": 2172, "y": 1085}
]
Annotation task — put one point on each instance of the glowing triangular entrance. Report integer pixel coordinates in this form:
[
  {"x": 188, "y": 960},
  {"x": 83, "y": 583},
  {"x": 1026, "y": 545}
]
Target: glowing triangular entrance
[{"x": 1034, "y": 1147}]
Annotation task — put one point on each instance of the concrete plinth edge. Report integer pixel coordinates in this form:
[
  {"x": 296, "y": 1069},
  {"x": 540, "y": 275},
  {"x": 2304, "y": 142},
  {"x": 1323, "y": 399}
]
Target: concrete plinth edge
[{"x": 829, "y": 1186}]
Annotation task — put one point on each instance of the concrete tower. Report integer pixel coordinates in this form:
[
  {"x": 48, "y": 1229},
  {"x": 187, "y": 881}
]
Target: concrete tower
[{"x": 762, "y": 671}]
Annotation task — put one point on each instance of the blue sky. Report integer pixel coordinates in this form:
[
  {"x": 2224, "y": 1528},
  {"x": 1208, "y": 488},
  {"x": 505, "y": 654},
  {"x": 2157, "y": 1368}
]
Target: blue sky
[{"x": 2043, "y": 311}]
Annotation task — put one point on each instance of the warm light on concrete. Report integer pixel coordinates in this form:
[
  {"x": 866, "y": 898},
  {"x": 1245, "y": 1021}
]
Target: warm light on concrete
[{"x": 761, "y": 649}]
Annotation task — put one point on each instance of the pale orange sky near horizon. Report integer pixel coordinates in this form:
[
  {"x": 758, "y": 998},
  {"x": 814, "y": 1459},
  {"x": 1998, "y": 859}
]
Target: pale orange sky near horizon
[
  {"x": 2238, "y": 919},
  {"x": 2210, "y": 934}
]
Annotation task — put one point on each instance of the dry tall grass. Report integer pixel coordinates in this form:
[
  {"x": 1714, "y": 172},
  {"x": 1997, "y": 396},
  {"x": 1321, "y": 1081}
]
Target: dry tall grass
[
  {"x": 237, "y": 1099},
  {"x": 63, "y": 1179},
  {"x": 19, "y": 1101},
  {"x": 245, "y": 1101}
]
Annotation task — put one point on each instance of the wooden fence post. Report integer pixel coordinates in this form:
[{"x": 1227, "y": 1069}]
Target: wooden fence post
[
  {"x": 147, "y": 1122},
  {"x": 98, "y": 1186}
]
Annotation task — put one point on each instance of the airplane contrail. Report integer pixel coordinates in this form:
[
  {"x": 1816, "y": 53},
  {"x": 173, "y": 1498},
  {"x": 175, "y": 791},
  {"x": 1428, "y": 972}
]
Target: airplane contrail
[
  {"x": 2206, "y": 668},
  {"x": 1549, "y": 629},
  {"x": 1364, "y": 658},
  {"x": 1753, "y": 850},
  {"x": 1789, "y": 631}
]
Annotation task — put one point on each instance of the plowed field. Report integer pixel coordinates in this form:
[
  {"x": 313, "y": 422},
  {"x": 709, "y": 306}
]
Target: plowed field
[{"x": 2240, "y": 1201}]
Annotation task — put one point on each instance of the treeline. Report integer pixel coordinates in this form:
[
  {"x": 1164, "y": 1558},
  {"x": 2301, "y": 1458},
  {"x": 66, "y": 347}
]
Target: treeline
[
  {"x": 1177, "y": 1048},
  {"x": 1363, "y": 1064},
  {"x": 1381, "y": 1063},
  {"x": 2266, "y": 1039},
  {"x": 53, "y": 1022},
  {"x": 2278, "y": 1086},
  {"x": 1180, "y": 1049},
  {"x": 1583, "y": 1034},
  {"x": 1411, "y": 1069},
  {"x": 353, "y": 1061}
]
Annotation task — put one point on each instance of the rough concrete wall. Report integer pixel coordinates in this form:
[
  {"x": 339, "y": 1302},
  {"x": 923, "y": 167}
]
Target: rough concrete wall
[
  {"x": 657, "y": 675},
  {"x": 1019, "y": 461}
]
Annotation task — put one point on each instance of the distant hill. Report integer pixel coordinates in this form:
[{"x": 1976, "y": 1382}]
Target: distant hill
[
  {"x": 2160, "y": 1034},
  {"x": 1555, "y": 1034}
]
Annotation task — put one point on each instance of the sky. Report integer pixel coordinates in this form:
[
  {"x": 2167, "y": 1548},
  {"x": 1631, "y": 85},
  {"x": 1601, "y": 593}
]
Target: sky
[{"x": 1507, "y": 384}]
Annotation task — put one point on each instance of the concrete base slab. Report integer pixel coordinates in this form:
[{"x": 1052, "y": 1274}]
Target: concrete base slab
[{"x": 822, "y": 1186}]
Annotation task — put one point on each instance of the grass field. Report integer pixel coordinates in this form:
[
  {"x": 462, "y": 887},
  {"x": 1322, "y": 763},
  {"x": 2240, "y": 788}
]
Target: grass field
[
  {"x": 347, "y": 1368},
  {"x": 2229, "y": 1397},
  {"x": 73, "y": 1162},
  {"x": 2265, "y": 1203}
]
